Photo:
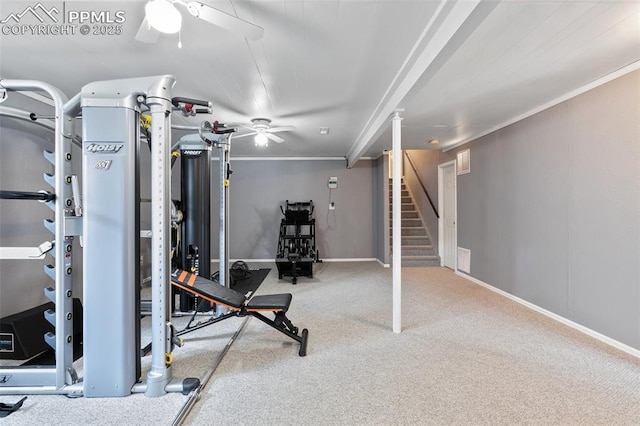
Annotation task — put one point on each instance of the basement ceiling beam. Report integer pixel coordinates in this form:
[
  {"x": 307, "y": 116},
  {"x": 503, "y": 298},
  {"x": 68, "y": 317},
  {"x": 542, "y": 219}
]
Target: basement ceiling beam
[{"x": 444, "y": 24}]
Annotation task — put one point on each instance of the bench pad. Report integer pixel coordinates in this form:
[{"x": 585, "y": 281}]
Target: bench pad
[
  {"x": 270, "y": 302},
  {"x": 208, "y": 289}
]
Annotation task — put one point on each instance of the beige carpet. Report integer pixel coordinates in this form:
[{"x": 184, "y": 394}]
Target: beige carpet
[{"x": 465, "y": 356}]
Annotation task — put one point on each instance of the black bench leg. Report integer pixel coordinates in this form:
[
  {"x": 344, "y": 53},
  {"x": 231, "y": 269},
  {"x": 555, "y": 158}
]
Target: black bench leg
[{"x": 284, "y": 326}]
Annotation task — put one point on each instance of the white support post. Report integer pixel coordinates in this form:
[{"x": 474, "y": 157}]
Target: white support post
[{"x": 396, "y": 139}]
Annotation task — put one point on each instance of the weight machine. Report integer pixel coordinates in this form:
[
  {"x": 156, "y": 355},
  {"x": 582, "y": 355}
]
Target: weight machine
[
  {"x": 196, "y": 156},
  {"x": 297, "y": 241},
  {"x": 110, "y": 229}
]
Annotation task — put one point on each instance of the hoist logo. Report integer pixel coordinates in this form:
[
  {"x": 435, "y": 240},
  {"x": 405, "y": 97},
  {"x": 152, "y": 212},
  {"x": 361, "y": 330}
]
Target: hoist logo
[
  {"x": 103, "y": 148},
  {"x": 192, "y": 152}
]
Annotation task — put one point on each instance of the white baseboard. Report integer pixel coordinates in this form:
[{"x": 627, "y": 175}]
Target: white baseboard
[
  {"x": 605, "y": 339},
  {"x": 384, "y": 265},
  {"x": 351, "y": 259}
]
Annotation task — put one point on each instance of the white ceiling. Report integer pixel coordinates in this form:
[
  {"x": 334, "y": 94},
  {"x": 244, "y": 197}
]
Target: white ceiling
[{"x": 458, "y": 68}]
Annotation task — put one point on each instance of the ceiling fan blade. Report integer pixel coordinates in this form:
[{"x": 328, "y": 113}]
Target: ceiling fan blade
[
  {"x": 241, "y": 126},
  {"x": 147, "y": 34},
  {"x": 228, "y": 22},
  {"x": 281, "y": 129},
  {"x": 275, "y": 138},
  {"x": 245, "y": 134}
]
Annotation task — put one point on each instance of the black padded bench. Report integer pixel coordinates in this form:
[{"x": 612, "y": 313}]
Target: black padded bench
[{"x": 240, "y": 306}]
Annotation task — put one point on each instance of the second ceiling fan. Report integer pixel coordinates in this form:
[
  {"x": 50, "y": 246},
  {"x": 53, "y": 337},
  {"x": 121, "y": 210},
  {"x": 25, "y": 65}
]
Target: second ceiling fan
[{"x": 162, "y": 16}]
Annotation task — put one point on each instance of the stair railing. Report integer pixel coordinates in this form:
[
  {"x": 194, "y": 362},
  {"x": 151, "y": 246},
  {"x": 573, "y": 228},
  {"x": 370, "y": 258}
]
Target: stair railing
[{"x": 421, "y": 184}]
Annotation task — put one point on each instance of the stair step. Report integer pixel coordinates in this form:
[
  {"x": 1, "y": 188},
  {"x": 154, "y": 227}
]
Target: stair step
[
  {"x": 407, "y": 207},
  {"x": 424, "y": 250},
  {"x": 408, "y": 222},
  {"x": 411, "y": 231},
  {"x": 409, "y": 214},
  {"x": 421, "y": 261},
  {"x": 403, "y": 194},
  {"x": 403, "y": 200},
  {"x": 413, "y": 240}
]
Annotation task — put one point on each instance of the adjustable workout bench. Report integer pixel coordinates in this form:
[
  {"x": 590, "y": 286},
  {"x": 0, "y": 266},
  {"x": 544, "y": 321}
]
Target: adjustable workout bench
[{"x": 240, "y": 306}]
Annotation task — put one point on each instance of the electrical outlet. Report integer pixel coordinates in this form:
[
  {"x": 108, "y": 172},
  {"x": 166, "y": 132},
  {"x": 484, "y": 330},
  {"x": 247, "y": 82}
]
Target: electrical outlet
[{"x": 332, "y": 205}]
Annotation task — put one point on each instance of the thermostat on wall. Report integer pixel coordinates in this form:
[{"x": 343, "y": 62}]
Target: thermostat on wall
[{"x": 333, "y": 182}]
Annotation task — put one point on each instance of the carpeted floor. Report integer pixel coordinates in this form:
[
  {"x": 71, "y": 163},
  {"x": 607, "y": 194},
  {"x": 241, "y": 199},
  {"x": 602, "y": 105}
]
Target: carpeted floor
[{"x": 466, "y": 356}]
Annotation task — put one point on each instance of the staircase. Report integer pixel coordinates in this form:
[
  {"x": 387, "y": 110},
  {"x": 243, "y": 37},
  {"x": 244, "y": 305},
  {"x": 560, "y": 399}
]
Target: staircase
[{"x": 417, "y": 249}]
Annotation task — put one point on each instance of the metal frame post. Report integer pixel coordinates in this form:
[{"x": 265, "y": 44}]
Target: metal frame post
[{"x": 224, "y": 151}]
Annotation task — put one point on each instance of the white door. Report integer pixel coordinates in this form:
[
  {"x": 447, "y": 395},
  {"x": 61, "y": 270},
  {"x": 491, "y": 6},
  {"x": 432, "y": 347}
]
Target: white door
[{"x": 447, "y": 183}]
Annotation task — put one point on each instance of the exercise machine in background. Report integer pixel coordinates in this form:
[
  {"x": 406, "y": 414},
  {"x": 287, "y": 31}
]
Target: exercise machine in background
[
  {"x": 195, "y": 245},
  {"x": 297, "y": 250}
]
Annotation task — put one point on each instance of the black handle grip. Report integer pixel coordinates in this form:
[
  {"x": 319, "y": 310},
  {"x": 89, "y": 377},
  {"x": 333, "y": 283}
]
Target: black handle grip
[{"x": 178, "y": 100}]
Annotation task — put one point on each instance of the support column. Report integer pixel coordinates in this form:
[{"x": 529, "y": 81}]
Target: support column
[
  {"x": 396, "y": 262},
  {"x": 160, "y": 372}
]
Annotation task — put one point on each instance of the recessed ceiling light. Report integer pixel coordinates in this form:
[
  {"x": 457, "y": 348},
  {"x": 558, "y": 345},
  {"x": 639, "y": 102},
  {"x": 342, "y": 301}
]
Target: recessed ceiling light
[
  {"x": 434, "y": 142},
  {"x": 324, "y": 130}
]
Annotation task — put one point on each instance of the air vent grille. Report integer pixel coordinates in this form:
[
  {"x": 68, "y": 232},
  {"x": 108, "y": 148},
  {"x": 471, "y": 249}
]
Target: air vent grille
[
  {"x": 464, "y": 260},
  {"x": 464, "y": 162}
]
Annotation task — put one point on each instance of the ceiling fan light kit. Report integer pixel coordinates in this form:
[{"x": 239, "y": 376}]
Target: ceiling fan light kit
[
  {"x": 263, "y": 132},
  {"x": 163, "y": 16},
  {"x": 261, "y": 139}
]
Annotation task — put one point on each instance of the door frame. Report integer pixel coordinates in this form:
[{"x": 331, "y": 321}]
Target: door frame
[{"x": 441, "y": 190}]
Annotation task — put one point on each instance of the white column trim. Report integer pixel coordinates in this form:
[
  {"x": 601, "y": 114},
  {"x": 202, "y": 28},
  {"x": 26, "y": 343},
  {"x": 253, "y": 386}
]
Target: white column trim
[{"x": 396, "y": 141}]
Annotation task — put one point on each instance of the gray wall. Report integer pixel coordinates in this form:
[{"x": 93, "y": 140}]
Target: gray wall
[
  {"x": 551, "y": 209},
  {"x": 380, "y": 208},
  {"x": 259, "y": 187}
]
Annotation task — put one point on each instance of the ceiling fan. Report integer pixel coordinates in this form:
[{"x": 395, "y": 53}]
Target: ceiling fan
[
  {"x": 162, "y": 16},
  {"x": 261, "y": 128}
]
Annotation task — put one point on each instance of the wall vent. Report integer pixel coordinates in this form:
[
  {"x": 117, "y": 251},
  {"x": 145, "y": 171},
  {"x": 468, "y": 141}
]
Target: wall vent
[
  {"x": 464, "y": 260},
  {"x": 464, "y": 162}
]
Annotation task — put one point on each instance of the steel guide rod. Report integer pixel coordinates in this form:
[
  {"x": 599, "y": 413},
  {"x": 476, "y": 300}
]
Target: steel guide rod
[{"x": 160, "y": 372}]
